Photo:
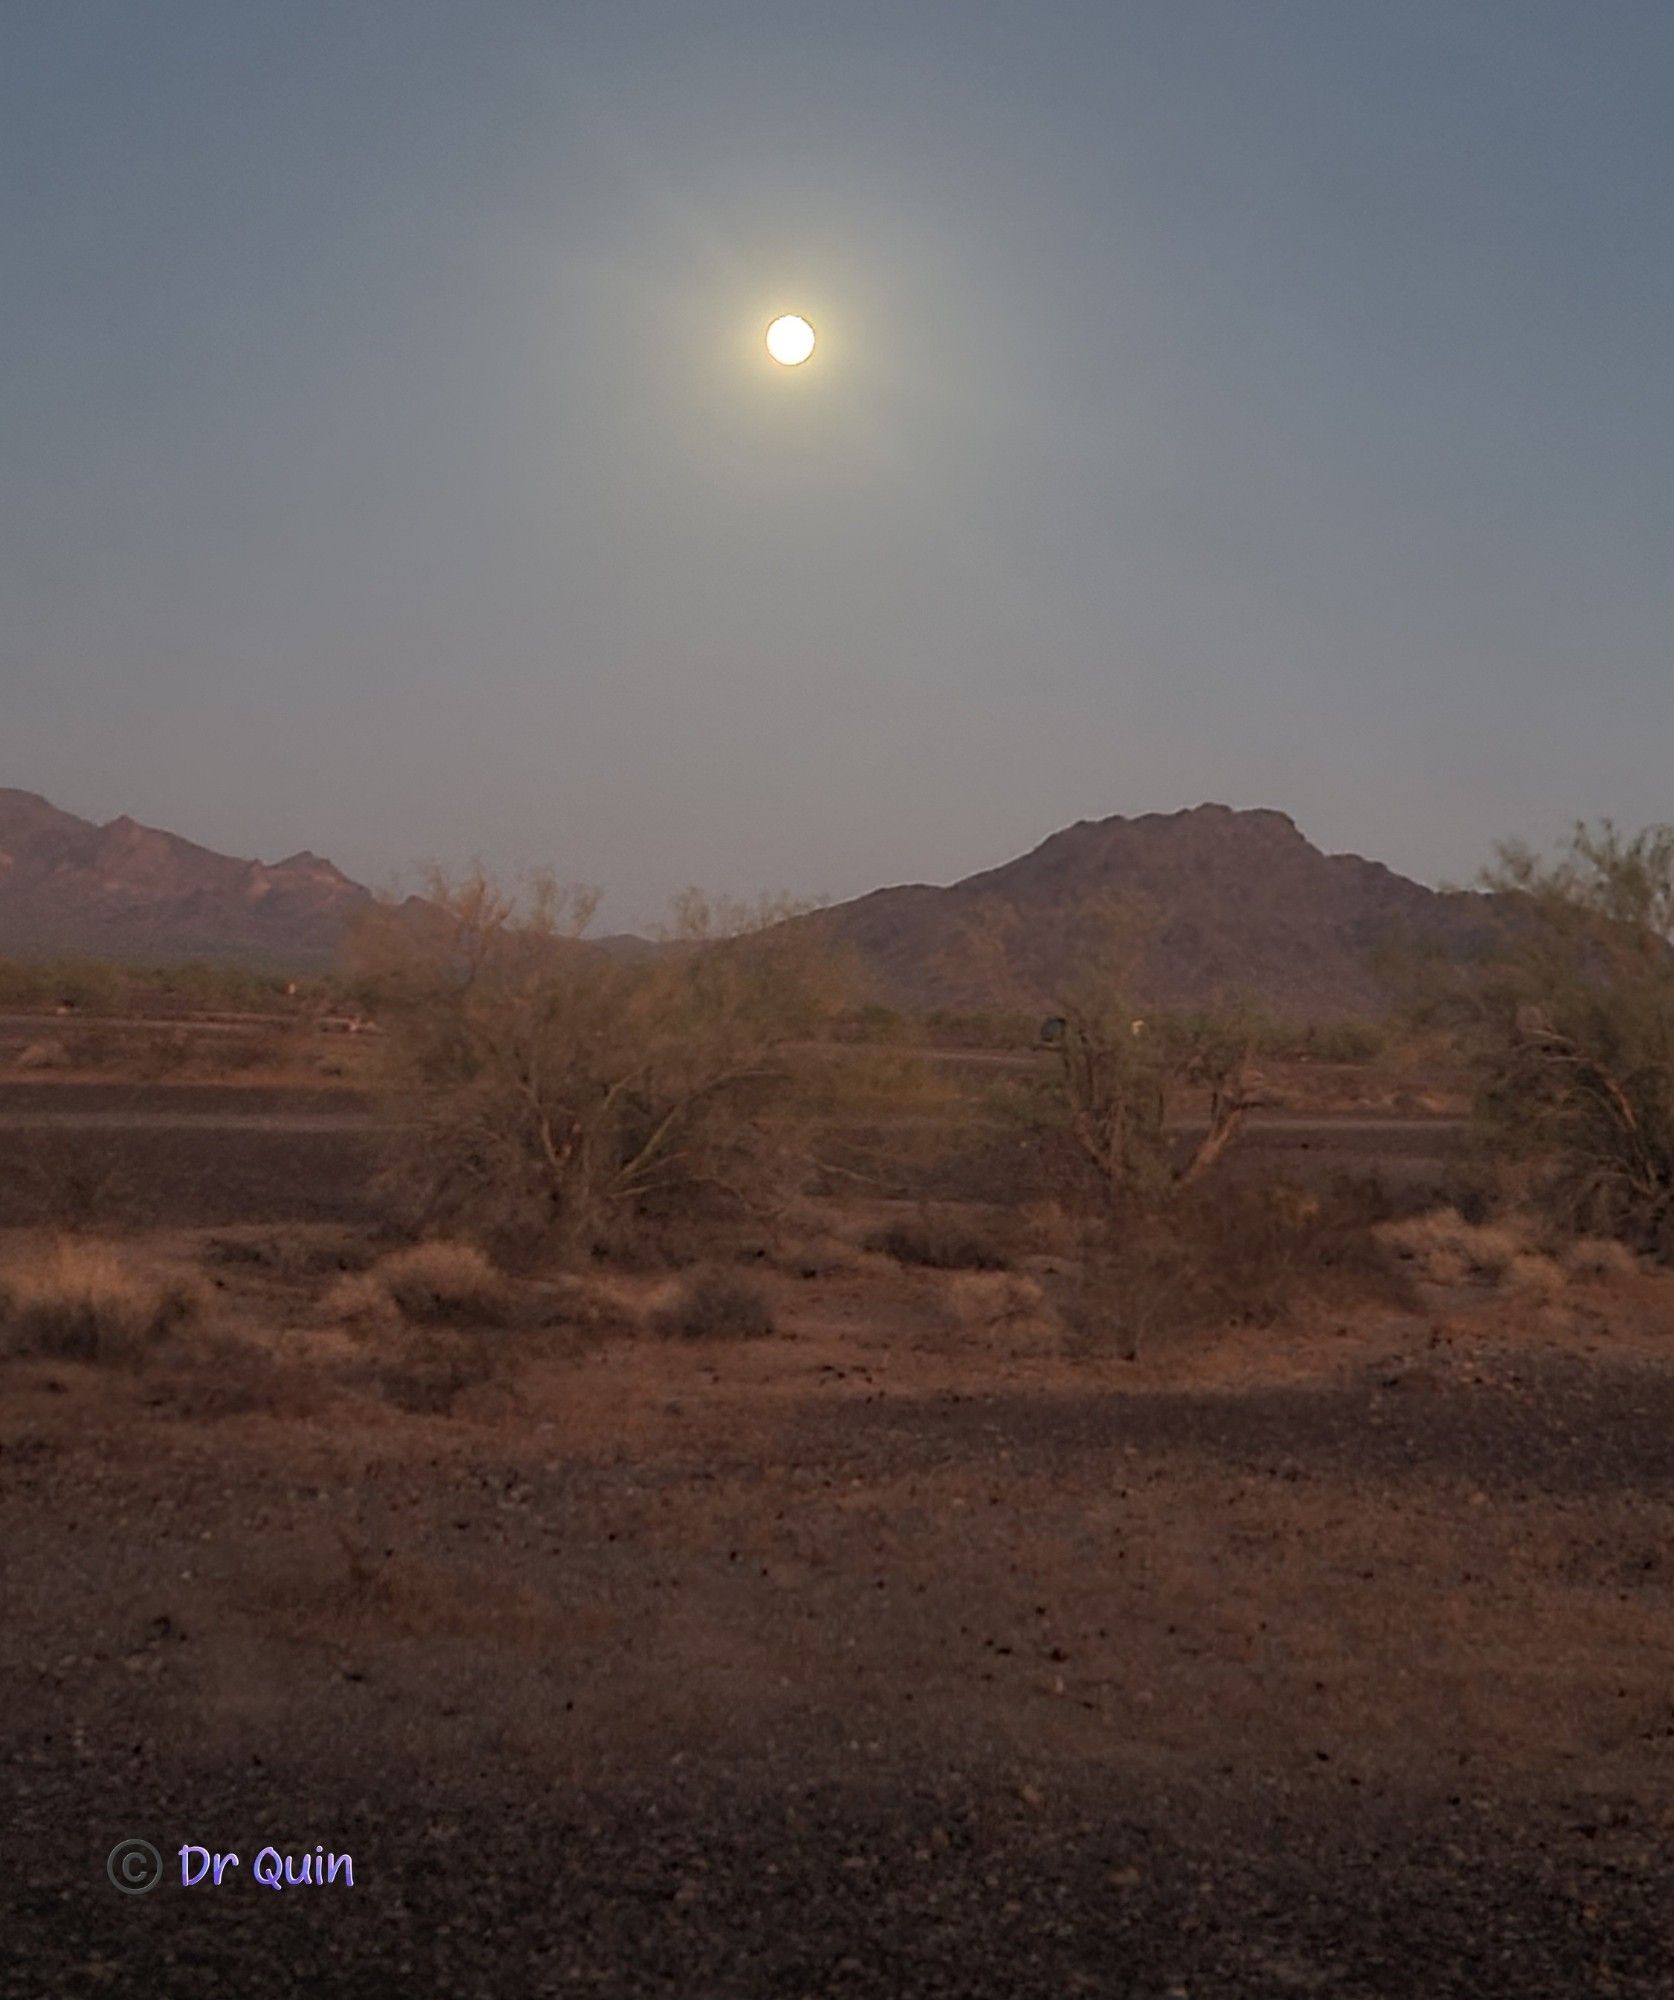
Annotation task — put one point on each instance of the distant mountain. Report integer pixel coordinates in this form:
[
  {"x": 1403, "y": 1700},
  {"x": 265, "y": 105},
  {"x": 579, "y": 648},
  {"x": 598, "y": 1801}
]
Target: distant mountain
[
  {"x": 1230, "y": 902},
  {"x": 1227, "y": 902},
  {"x": 126, "y": 891}
]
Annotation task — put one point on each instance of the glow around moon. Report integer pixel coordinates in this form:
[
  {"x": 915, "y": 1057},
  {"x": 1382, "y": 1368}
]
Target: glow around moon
[{"x": 790, "y": 340}]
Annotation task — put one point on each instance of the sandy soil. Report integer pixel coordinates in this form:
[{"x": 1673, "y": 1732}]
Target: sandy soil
[{"x": 901, "y": 1652}]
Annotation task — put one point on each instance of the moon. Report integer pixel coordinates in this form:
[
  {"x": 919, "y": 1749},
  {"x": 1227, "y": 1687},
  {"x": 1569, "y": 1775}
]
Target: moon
[{"x": 790, "y": 340}]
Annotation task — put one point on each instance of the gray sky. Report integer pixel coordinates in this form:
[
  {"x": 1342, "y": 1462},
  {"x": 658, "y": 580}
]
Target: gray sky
[{"x": 1264, "y": 402}]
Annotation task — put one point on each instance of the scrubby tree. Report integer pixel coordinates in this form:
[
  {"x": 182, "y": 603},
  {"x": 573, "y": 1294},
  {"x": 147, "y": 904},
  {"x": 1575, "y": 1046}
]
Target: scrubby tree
[
  {"x": 1128, "y": 1075},
  {"x": 1570, "y": 1026},
  {"x": 1126, "y": 1079},
  {"x": 556, "y": 1095}
]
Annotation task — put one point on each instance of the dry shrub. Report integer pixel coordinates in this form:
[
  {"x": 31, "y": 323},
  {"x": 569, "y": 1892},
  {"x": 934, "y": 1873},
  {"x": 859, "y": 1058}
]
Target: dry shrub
[
  {"x": 44, "y": 1055},
  {"x": 1246, "y": 1256},
  {"x": 716, "y": 1305},
  {"x": 1000, "y": 1300},
  {"x": 431, "y": 1367},
  {"x": 1448, "y": 1250},
  {"x": 1598, "y": 1257},
  {"x": 226, "y": 1374},
  {"x": 428, "y": 1284},
  {"x": 87, "y": 1301},
  {"x": 554, "y": 1098},
  {"x": 1569, "y": 1027},
  {"x": 577, "y": 1303},
  {"x": 1534, "y": 1274},
  {"x": 941, "y": 1240},
  {"x": 440, "y": 1311}
]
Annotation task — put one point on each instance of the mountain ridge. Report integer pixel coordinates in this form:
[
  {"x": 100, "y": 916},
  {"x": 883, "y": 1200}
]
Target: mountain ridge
[
  {"x": 123, "y": 890},
  {"x": 1227, "y": 901},
  {"x": 1224, "y": 901}
]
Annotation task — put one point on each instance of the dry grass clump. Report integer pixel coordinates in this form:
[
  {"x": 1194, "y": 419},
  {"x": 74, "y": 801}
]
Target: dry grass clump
[
  {"x": 941, "y": 1240},
  {"x": 1598, "y": 1257},
  {"x": 1000, "y": 1301},
  {"x": 433, "y": 1366},
  {"x": 1513, "y": 1253},
  {"x": 583, "y": 1305},
  {"x": 1448, "y": 1250},
  {"x": 716, "y": 1305},
  {"x": 87, "y": 1301},
  {"x": 428, "y": 1284},
  {"x": 1534, "y": 1274}
]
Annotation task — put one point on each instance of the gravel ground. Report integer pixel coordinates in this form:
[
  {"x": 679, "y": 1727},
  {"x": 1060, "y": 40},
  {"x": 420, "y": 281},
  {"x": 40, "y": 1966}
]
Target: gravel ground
[
  {"x": 905, "y": 1886},
  {"x": 839, "y": 1665}
]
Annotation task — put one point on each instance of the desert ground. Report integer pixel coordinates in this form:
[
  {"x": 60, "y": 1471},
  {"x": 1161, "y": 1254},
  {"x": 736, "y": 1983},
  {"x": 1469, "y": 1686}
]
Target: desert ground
[{"x": 918, "y": 1645}]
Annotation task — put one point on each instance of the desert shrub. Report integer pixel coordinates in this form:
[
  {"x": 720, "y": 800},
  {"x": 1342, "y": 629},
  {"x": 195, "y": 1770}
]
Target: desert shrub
[
  {"x": 580, "y": 1304},
  {"x": 1449, "y": 1250},
  {"x": 942, "y": 1240},
  {"x": 1123, "y": 1072},
  {"x": 1248, "y": 1255},
  {"x": 1598, "y": 1257},
  {"x": 1128, "y": 1081},
  {"x": 555, "y": 1097},
  {"x": 1569, "y": 1029},
  {"x": 86, "y": 1301},
  {"x": 716, "y": 1304},
  {"x": 1534, "y": 1274},
  {"x": 1513, "y": 1252},
  {"x": 428, "y": 1284},
  {"x": 1000, "y": 1301},
  {"x": 430, "y": 1368},
  {"x": 48, "y": 1054}
]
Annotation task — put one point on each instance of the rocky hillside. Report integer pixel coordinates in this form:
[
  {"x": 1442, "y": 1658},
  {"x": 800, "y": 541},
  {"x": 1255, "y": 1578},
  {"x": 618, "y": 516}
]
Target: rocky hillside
[
  {"x": 1226, "y": 902},
  {"x": 126, "y": 891}
]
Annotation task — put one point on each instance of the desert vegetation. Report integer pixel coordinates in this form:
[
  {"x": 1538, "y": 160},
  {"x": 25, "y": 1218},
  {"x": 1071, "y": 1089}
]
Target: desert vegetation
[
  {"x": 75, "y": 1299},
  {"x": 94, "y": 986},
  {"x": 715, "y": 1303},
  {"x": 694, "y": 1367},
  {"x": 1567, "y": 1027},
  {"x": 555, "y": 1099}
]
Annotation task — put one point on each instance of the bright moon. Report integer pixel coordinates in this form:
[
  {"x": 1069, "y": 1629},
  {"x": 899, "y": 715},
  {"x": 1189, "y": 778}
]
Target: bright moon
[{"x": 790, "y": 340}]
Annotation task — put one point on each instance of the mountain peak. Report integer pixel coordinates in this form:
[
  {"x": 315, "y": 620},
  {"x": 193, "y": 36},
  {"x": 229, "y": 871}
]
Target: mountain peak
[
  {"x": 125, "y": 890},
  {"x": 1230, "y": 901}
]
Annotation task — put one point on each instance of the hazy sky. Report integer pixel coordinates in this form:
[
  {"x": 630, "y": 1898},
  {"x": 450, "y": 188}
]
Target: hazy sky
[{"x": 1254, "y": 401}]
